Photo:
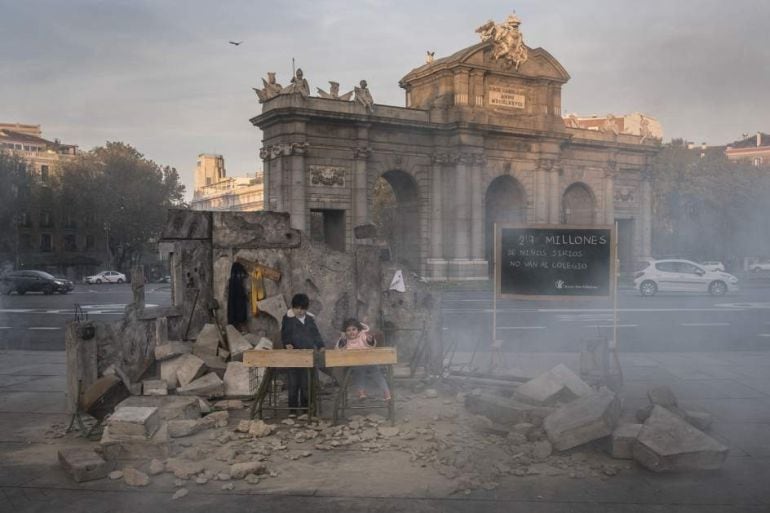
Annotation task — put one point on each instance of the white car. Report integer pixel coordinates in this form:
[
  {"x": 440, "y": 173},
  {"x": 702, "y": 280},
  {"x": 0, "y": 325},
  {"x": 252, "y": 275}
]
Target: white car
[
  {"x": 673, "y": 275},
  {"x": 760, "y": 266},
  {"x": 713, "y": 266},
  {"x": 106, "y": 277}
]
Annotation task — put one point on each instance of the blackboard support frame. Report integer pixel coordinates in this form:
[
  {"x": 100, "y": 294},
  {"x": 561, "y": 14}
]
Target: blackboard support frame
[{"x": 498, "y": 261}]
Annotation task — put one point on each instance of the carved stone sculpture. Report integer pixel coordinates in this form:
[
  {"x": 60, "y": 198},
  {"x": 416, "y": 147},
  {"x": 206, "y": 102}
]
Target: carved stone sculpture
[
  {"x": 334, "y": 92},
  {"x": 298, "y": 85},
  {"x": 364, "y": 97},
  {"x": 270, "y": 88},
  {"x": 507, "y": 41}
]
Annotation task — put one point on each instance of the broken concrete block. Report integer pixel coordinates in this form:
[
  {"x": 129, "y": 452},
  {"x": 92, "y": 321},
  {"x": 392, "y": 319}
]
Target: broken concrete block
[
  {"x": 133, "y": 477},
  {"x": 168, "y": 369},
  {"x": 184, "y": 427},
  {"x": 223, "y": 354},
  {"x": 264, "y": 343},
  {"x": 259, "y": 428},
  {"x": 585, "y": 419},
  {"x": 172, "y": 349},
  {"x": 161, "y": 331},
  {"x": 134, "y": 422},
  {"x": 238, "y": 382},
  {"x": 667, "y": 442},
  {"x": 122, "y": 448},
  {"x": 190, "y": 369},
  {"x": 643, "y": 413},
  {"x": 182, "y": 468},
  {"x": 169, "y": 406},
  {"x": 83, "y": 464},
  {"x": 557, "y": 384},
  {"x": 699, "y": 419},
  {"x": 505, "y": 411},
  {"x": 241, "y": 470},
  {"x": 229, "y": 404},
  {"x": 662, "y": 396},
  {"x": 208, "y": 386},
  {"x": 622, "y": 441},
  {"x": 218, "y": 419},
  {"x": 214, "y": 364},
  {"x": 274, "y": 306},
  {"x": 154, "y": 387},
  {"x": 207, "y": 340},
  {"x": 236, "y": 344}
]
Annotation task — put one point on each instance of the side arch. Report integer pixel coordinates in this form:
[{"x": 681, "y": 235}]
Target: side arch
[
  {"x": 400, "y": 216},
  {"x": 505, "y": 203},
  {"x": 578, "y": 205}
]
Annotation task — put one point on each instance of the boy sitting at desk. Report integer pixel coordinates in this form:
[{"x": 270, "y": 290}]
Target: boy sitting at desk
[{"x": 299, "y": 331}]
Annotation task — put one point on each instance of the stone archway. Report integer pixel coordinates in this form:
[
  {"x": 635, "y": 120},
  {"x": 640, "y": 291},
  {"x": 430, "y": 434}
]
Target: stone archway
[
  {"x": 396, "y": 209},
  {"x": 578, "y": 205},
  {"x": 506, "y": 203}
]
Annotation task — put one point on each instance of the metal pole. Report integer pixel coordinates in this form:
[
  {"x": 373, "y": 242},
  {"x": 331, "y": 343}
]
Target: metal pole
[
  {"x": 614, "y": 271},
  {"x": 494, "y": 285}
]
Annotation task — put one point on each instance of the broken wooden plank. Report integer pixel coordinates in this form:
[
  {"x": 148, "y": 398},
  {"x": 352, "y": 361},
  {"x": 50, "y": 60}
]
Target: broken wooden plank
[
  {"x": 267, "y": 272},
  {"x": 280, "y": 358},
  {"x": 356, "y": 357}
]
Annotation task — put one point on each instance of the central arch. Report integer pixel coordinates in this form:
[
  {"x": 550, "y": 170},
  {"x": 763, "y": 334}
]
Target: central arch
[
  {"x": 396, "y": 209},
  {"x": 506, "y": 203}
]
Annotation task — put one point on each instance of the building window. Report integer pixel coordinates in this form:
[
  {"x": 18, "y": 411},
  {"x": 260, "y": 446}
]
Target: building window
[
  {"x": 68, "y": 221},
  {"x": 44, "y": 173},
  {"x": 46, "y": 242},
  {"x": 24, "y": 219},
  {"x": 46, "y": 219},
  {"x": 70, "y": 243},
  {"x": 89, "y": 242}
]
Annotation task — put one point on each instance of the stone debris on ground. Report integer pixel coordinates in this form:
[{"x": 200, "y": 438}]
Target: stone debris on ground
[
  {"x": 134, "y": 422},
  {"x": 208, "y": 386},
  {"x": 83, "y": 464},
  {"x": 557, "y": 385},
  {"x": 134, "y": 477}
]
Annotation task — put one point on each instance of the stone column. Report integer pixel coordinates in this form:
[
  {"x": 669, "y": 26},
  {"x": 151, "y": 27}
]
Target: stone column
[
  {"x": 461, "y": 206},
  {"x": 609, "y": 194},
  {"x": 645, "y": 209},
  {"x": 477, "y": 87},
  {"x": 360, "y": 201},
  {"x": 297, "y": 190},
  {"x": 554, "y": 194},
  {"x": 461, "y": 80},
  {"x": 542, "y": 198},
  {"x": 437, "y": 262},
  {"x": 477, "y": 211}
]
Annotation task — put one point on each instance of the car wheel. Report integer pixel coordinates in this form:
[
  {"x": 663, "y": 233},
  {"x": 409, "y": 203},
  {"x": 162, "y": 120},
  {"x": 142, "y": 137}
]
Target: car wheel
[
  {"x": 99, "y": 282},
  {"x": 756, "y": 269},
  {"x": 648, "y": 288},
  {"x": 120, "y": 280},
  {"x": 717, "y": 288},
  {"x": 21, "y": 292}
]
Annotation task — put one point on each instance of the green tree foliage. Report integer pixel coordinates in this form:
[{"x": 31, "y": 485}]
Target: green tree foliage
[
  {"x": 14, "y": 198},
  {"x": 120, "y": 191},
  {"x": 706, "y": 207}
]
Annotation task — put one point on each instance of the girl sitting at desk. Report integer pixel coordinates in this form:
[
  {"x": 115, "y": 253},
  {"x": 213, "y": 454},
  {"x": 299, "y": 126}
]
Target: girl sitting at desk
[{"x": 356, "y": 336}]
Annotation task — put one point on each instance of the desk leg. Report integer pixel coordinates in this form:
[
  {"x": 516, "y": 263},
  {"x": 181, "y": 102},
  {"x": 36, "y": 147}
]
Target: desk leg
[
  {"x": 259, "y": 399},
  {"x": 392, "y": 402},
  {"x": 311, "y": 394},
  {"x": 340, "y": 402}
]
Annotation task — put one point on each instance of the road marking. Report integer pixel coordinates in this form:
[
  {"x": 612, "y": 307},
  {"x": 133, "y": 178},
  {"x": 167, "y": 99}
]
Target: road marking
[
  {"x": 5, "y": 327},
  {"x": 705, "y": 324},
  {"x": 763, "y": 334},
  {"x": 610, "y": 326},
  {"x": 521, "y": 327},
  {"x": 595, "y": 310},
  {"x": 47, "y": 328}
]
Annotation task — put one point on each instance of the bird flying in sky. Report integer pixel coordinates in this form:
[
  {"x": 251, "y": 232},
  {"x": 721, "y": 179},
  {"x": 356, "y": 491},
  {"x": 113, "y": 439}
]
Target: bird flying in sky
[{"x": 235, "y": 43}]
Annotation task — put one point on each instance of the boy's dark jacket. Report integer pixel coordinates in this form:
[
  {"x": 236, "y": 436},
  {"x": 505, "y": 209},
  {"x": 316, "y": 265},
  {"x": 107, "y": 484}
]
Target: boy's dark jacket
[{"x": 301, "y": 336}]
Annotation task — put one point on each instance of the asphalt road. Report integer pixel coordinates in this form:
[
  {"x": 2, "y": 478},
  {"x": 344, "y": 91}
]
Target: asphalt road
[
  {"x": 36, "y": 321},
  {"x": 665, "y": 322}
]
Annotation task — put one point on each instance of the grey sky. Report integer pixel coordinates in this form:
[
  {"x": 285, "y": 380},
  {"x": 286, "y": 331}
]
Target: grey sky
[{"x": 160, "y": 75}]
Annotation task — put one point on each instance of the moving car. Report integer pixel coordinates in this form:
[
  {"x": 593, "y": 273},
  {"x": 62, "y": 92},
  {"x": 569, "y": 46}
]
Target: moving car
[
  {"x": 713, "y": 266},
  {"x": 22, "y": 282},
  {"x": 764, "y": 265},
  {"x": 106, "y": 277},
  {"x": 675, "y": 275}
]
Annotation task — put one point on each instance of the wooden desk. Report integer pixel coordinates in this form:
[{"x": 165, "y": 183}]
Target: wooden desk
[
  {"x": 272, "y": 360},
  {"x": 349, "y": 358}
]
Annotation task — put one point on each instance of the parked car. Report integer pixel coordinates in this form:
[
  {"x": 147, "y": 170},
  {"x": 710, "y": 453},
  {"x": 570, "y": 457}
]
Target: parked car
[
  {"x": 764, "y": 265},
  {"x": 22, "y": 282},
  {"x": 675, "y": 275},
  {"x": 713, "y": 266},
  {"x": 106, "y": 277}
]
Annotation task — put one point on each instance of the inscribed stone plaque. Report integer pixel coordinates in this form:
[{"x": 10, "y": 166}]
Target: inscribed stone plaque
[
  {"x": 327, "y": 176},
  {"x": 508, "y": 97}
]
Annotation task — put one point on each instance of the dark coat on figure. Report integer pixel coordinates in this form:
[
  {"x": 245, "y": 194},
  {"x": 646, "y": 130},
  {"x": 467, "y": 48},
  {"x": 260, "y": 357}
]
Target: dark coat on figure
[{"x": 299, "y": 335}]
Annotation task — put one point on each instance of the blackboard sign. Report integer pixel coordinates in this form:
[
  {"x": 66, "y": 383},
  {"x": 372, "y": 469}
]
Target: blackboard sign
[{"x": 554, "y": 261}]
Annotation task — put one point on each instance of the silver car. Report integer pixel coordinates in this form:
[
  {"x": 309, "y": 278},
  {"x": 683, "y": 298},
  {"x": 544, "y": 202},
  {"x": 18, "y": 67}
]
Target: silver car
[{"x": 673, "y": 275}]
